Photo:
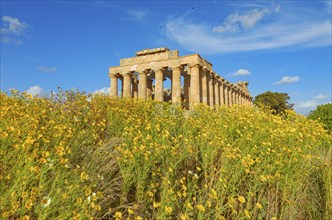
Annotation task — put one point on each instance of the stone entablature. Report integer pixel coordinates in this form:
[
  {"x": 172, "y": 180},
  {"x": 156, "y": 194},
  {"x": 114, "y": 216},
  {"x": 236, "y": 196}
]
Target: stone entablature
[{"x": 201, "y": 83}]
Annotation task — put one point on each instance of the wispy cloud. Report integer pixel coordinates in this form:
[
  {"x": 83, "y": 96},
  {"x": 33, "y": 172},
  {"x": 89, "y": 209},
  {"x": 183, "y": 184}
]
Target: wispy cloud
[
  {"x": 242, "y": 72},
  {"x": 137, "y": 15},
  {"x": 45, "y": 69},
  {"x": 236, "y": 22},
  {"x": 320, "y": 97},
  {"x": 11, "y": 29},
  {"x": 240, "y": 32},
  {"x": 105, "y": 91},
  {"x": 287, "y": 79},
  {"x": 36, "y": 90},
  {"x": 309, "y": 104}
]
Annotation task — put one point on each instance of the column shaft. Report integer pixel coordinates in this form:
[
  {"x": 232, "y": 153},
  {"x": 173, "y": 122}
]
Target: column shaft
[
  {"x": 134, "y": 93},
  {"x": 176, "y": 84},
  {"x": 149, "y": 88},
  {"x": 159, "y": 88},
  {"x": 211, "y": 90},
  {"x": 216, "y": 92},
  {"x": 204, "y": 87},
  {"x": 126, "y": 85},
  {"x": 142, "y": 85},
  {"x": 226, "y": 94},
  {"x": 221, "y": 89},
  {"x": 114, "y": 86},
  {"x": 194, "y": 84},
  {"x": 186, "y": 91}
]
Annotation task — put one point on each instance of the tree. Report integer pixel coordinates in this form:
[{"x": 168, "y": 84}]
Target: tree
[
  {"x": 274, "y": 100},
  {"x": 323, "y": 113}
]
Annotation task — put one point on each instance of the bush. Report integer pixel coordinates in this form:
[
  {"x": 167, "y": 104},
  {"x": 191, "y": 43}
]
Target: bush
[{"x": 323, "y": 113}]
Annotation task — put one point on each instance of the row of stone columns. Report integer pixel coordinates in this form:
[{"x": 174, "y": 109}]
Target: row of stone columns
[{"x": 200, "y": 86}]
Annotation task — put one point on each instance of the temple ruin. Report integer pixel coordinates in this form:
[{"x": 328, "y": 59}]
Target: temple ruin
[{"x": 143, "y": 77}]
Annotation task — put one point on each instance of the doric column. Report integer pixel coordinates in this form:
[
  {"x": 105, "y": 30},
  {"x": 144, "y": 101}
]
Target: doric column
[
  {"x": 122, "y": 82},
  {"x": 114, "y": 86},
  {"x": 194, "y": 84},
  {"x": 242, "y": 98},
  {"x": 216, "y": 91},
  {"x": 225, "y": 93},
  {"x": 221, "y": 90},
  {"x": 233, "y": 95},
  {"x": 204, "y": 86},
  {"x": 142, "y": 86},
  {"x": 230, "y": 95},
  {"x": 149, "y": 88},
  {"x": 176, "y": 83},
  {"x": 238, "y": 96},
  {"x": 211, "y": 89},
  {"x": 186, "y": 91},
  {"x": 159, "y": 87},
  {"x": 134, "y": 91},
  {"x": 126, "y": 84}
]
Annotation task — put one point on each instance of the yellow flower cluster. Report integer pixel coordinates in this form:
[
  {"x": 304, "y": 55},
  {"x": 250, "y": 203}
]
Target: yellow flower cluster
[{"x": 77, "y": 156}]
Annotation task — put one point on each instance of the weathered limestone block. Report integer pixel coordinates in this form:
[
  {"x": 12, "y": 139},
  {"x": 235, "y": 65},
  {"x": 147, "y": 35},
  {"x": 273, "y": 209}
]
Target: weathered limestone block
[
  {"x": 127, "y": 84},
  {"x": 204, "y": 85},
  {"x": 134, "y": 83},
  {"x": 149, "y": 88},
  {"x": 114, "y": 85},
  {"x": 216, "y": 90},
  {"x": 211, "y": 89},
  {"x": 159, "y": 88},
  {"x": 142, "y": 86},
  {"x": 194, "y": 84},
  {"x": 176, "y": 83}
]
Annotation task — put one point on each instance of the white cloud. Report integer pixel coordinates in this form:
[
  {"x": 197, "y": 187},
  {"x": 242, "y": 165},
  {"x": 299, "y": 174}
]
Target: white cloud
[
  {"x": 137, "y": 15},
  {"x": 320, "y": 97},
  {"x": 287, "y": 79},
  {"x": 36, "y": 90},
  {"x": 242, "y": 72},
  {"x": 309, "y": 104},
  {"x": 105, "y": 91},
  {"x": 236, "y": 22},
  {"x": 45, "y": 69},
  {"x": 202, "y": 37},
  {"x": 12, "y": 28}
]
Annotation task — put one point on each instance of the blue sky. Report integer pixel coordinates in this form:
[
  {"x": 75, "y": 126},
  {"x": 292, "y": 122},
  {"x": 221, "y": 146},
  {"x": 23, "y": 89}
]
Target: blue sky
[{"x": 279, "y": 46}]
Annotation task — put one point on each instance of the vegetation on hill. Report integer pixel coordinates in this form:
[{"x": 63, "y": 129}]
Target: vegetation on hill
[
  {"x": 73, "y": 156},
  {"x": 276, "y": 101},
  {"x": 323, "y": 113}
]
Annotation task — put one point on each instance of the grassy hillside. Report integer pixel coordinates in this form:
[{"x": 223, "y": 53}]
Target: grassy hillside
[{"x": 76, "y": 157}]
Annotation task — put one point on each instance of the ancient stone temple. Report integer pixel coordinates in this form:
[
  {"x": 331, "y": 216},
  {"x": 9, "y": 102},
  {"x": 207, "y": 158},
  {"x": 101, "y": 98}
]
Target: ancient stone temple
[{"x": 143, "y": 77}]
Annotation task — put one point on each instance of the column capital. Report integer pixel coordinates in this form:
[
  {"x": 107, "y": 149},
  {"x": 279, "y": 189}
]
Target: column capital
[
  {"x": 179, "y": 67},
  {"x": 159, "y": 68},
  {"x": 127, "y": 73},
  {"x": 113, "y": 75},
  {"x": 206, "y": 69},
  {"x": 143, "y": 72},
  {"x": 198, "y": 65}
]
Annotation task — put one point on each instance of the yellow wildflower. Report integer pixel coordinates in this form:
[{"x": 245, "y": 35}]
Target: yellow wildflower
[
  {"x": 200, "y": 208},
  {"x": 130, "y": 211},
  {"x": 117, "y": 215},
  {"x": 259, "y": 206},
  {"x": 168, "y": 209},
  {"x": 26, "y": 217},
  {"x": 241, "y": 199},
  {"x": 28, "y": 204}
]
